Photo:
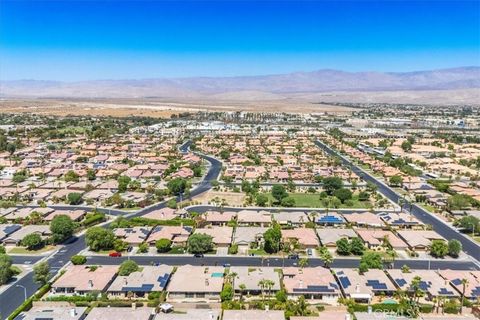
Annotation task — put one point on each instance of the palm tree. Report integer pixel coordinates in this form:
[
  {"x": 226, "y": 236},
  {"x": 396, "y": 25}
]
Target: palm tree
[
  {"x": 231, "y": 277},
  {"x": 269, "y": 285},
  {"x": 326, "y": 256},
  {"x": 262, "y": 284},
  {"x": 242, "y": 288},
  {"x": 417, "y": 292},
  {"x": 399, "y": 294},
  {"x": 303, "y": 263},
  {"x": 464, "y": 287}
]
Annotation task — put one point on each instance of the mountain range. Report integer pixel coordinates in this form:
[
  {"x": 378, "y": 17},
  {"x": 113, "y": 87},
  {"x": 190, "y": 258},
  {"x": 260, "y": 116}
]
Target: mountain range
[{"x": 263, "y": 87}]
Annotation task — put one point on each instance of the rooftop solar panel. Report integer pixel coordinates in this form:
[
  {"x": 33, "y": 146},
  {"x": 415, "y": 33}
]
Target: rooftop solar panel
[
  {"x": 401, "y": 282},
  {"x": 345, "y": 282}
]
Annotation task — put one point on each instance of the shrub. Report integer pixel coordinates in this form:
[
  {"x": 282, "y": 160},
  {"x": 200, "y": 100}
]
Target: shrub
[
  {"x": 78, "y": 259},
  {"x": 233, "y": 249},
  {"x": 227, "y": 292},
  {"x": 127, "y": 267},
  {"x": 163, "y": 245}
]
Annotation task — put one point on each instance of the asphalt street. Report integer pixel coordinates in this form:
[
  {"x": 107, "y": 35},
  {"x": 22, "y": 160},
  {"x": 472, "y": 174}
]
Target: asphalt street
[
  {"x": 13, "y": 296},
  {"x": 178, "y": 260},
  {"x": 469, "y": 246}
]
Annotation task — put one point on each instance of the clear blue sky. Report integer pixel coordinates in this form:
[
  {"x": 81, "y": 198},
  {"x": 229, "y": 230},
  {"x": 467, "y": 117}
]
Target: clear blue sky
[{"x": 81, "y": 40}]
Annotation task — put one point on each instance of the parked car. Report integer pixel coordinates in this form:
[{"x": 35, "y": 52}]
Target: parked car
[
  {"x": 309, "y": 252},
  {"x": 115, "y": 254},
  {"x": 293, "y": 256},
  {"x": 198, "y": 255}
]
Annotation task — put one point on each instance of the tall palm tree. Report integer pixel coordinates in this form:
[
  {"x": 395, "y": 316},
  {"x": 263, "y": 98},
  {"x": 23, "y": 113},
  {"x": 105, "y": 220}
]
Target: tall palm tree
[
  {"x": 269, "y": 285},
  {"x": 464, "y": 287},
  {"x": 303, "y": 263},
  {"x": 326, "y": 256},
  {"x": 242, "y": 288},
  {"x": 262, "y": 284}
]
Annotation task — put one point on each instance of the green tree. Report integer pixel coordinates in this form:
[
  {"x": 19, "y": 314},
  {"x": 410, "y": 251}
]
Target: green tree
[
  {"x": 177, "y": 186},
  {"x": 370, "y": 260},
  {"x": 143, "y": 247},
  {"x": 41, "y": 273},
  {"x": 357, "y": 246},
  {"x": 127, "y": 267},
  {"x": 123, "y": 182},
  {"x": 330, "y": 184},
  {"x": 343, "y": 194},
  {"x": 224, "y": 154},
  {"x": 288, "y": 202},
  {"x": 32, "y": 241},
  {"x": 438, "y": 248},
  {"x": 261, "y": 200},
  {"x": 468, "y": 223},
  {"x": 98, "y": 238},
  {"x": 78, "y": 259},
  {"x": 343, "y": 247},
  {"x": 227, "y": 292},
  {"x": 199, "y": 243},
  {"x": 5, "y": 268},
  {"x": 272, "y": 239},
  {"x": 71, "y": 176},
  {"x": 91, "y": 174},
  {"x": 172, "y": 203},
  {"x": 395, "y": 180},
  {"x": 326, "y": 257},
  {"x": 74, "y": 198},
  {"x": 279, "y": 192},
  {"x": 363, "y": 196},
  {"x": 163, "y": 245},
  {"x": 458, "y": 202},
  {"x": 62, "y": 227},
  {"x": 406, "y": 146},
  {"x": 119, "y": 245},
  {"x": 454, "y": 248},
  {"x": 2, "y": 250}
]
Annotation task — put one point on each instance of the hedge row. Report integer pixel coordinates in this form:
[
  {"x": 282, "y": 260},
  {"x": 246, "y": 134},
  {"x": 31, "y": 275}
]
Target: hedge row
[{"x": 27, "y": 304}]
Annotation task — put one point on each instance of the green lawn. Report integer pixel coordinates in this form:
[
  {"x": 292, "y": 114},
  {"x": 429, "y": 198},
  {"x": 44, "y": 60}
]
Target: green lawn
[
  {"x": 258, "y": 252},
  {"x": 312, "y": 200},
  {"x": 427, "y": 207},
  {"x": 177, "y": 250},
  {"x": 23, "y": 250}
]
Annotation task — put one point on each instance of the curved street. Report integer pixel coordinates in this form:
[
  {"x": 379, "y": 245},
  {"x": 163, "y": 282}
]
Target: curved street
[{"x": 13, "y": 296}]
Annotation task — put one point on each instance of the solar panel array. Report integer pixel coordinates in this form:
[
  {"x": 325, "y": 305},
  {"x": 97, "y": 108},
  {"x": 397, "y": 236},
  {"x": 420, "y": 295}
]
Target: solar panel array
[
  {"x": 377, "y": 285},
  {"x": 400, "y": 282},
  {"x": 162, "y": 280},
  {"x": 142, "y": 288},
  {"x": 330, "y": 219},
  {"x": 424, "y": 285},
  {"x": 315, "y": 289},
  {"x": 445, "y": 292}
]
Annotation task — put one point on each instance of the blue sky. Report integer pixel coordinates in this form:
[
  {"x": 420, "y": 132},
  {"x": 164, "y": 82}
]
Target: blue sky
[{"x": 83, "y": 40}]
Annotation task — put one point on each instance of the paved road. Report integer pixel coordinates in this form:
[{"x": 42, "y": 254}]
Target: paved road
[
  {"x": 469, "y": 246},
  {"x": 12, "y": 297},
  {"x": 204, "y": 208},
  {"x": 178, "y": 260},
  {"x": 114, "y": 212}
]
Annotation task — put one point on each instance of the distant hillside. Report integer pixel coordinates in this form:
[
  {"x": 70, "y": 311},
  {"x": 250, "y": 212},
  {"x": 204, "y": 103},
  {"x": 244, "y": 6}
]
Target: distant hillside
[{"x": 267, "y": 87}]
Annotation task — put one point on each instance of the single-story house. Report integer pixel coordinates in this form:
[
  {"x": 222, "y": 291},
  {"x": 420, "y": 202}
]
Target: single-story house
[
  {"x": 315, "y": 284},
  {"x": 140, "y": 283},
  {"x": 80, "y": 280},
  {"x": 196, "y": 284},
  {"x": 251, "y": 277}
]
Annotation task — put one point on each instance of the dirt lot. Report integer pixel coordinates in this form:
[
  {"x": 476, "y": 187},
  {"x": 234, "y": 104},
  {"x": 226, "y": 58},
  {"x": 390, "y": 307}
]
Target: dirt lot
[
  {"x": 156, "y": 108},
  {"x": 231, "y": 198}
]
